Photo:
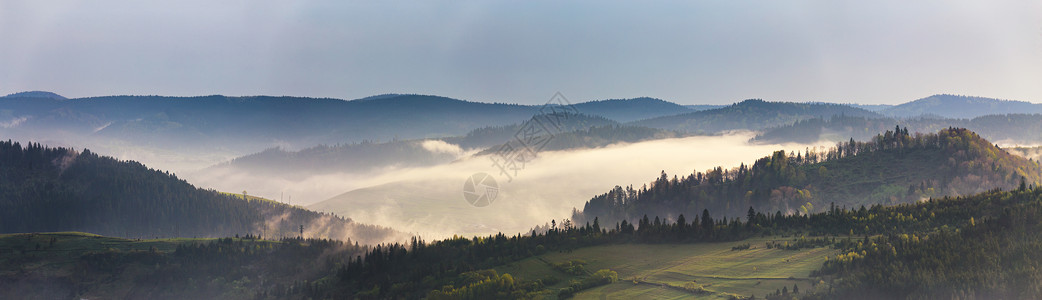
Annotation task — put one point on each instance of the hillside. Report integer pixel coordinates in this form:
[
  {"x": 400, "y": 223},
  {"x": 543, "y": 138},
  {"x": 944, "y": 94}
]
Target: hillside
[
  {"x": 960, "y": 107},
  {"x": 1016, "y": 129},
  {"x": 74, "y": 265},
  {"x": 894, "y": 167},
  {"x": 750, "y": 115},
  {"x": 59, "y": 189}
]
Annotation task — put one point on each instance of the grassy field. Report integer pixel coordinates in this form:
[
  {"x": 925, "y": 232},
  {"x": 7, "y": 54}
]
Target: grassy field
[
  {"x": 662, "y": 271},
  {"x": 658, "y": 271}
]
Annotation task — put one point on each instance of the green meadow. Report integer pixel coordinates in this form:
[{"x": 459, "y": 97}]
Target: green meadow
[{"x": 704, "y": 270}]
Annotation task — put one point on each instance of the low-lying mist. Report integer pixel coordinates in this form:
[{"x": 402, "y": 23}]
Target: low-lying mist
[{"x": 429, "y": 201}]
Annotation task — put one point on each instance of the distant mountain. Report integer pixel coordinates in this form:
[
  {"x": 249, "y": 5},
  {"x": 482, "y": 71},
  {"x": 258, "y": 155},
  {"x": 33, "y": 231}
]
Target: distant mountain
[
  {"x": 1017, "y": 129},
  {"x": 206, "y": 124},
  {"x": 965, "y": 107},
  {"x": 247, "y": 123},
  {"x": 348, "y": 158},
  {"x": 36, "y": 94},
  {"x": 894, "y": 167},
  {"x": 750, "y": 115},
  {"x": 626, "y": 110},
  {"x": 46, "y": 189}
]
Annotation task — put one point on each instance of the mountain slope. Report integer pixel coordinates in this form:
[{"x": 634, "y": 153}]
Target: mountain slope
[
  {"x": 965, "y": 107},
  {"x": 894, "y": 167},
  {"x": 60, "y": 189},
  {"x": 750, "y": 115}
]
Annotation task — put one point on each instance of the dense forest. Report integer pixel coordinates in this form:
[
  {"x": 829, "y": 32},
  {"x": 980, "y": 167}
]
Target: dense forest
[
  {"x": 46, "y": 189},
  {"x": 894, "y": 167},
  {"x": 990, "y": 249}
]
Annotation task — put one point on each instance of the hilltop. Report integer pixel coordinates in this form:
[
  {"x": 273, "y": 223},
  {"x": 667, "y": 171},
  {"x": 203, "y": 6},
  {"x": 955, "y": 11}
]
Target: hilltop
[{"x": 36, "y": 94}]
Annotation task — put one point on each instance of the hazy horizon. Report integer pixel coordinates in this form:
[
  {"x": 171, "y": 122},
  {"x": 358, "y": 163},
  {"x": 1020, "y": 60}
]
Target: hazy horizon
[
  {"x": 573, "y": 101},
  {"x": 688, "y": 53}
]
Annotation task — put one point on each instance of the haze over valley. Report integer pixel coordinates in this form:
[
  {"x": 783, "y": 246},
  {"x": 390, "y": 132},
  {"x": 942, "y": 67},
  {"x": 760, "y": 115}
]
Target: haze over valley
[{"x": 520, "y": 150}]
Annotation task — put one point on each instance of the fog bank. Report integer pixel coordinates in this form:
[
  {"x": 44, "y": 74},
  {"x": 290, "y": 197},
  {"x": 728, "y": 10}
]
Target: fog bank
[{"x": 430, "y": 201}]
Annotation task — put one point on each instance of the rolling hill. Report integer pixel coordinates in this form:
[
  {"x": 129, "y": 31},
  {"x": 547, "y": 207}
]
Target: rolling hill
[
  {"x": 36, "y": 94},
  {"x": 46, "y": 189},
  {"x": 750, "y": 115},
  {"x": 960, "y": 107},
  {"x": 265, "y": 120},
  {"x": 894, "y": 167}
]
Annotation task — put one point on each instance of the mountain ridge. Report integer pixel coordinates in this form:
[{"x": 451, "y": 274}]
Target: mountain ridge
[{"x": 960, "y": 107}]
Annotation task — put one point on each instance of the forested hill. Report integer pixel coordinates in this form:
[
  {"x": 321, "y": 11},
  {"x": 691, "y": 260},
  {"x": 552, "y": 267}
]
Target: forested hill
[
  {"x": 752, "y": 114},
  {"x": 894, "y": 167},
  {"x": 1004, "y": 129},
  {"x": 46, "y": 189},
  {"x": 626, "y": 110},
  {"x": 956, "y": 106}
]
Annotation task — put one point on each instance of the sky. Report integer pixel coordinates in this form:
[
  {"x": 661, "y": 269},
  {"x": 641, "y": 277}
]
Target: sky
[{"x": 690, "y": 52}]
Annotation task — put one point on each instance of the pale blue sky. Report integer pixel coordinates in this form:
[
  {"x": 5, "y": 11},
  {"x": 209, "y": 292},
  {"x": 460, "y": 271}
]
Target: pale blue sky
[{"x": 523, "y": 51}]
